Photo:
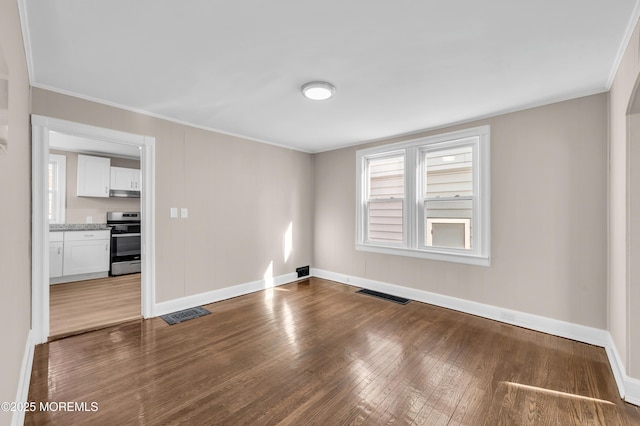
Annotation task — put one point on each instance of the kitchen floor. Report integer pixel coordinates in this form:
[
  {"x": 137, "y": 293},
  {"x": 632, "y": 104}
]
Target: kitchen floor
[{"x": 83, "y": 306}]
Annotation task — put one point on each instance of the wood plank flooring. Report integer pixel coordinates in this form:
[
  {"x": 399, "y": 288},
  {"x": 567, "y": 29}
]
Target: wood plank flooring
[
  {"x": 315, "y": 352},
  {"x": 88, "y": 305}
]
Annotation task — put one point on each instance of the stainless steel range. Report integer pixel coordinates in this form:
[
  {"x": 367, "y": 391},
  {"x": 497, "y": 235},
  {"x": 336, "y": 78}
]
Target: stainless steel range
[{"x": 125, "y": 242}]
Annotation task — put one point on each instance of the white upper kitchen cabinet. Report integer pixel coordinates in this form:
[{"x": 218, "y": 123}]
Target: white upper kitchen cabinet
[
  {"x": 93, "y": 176},
  {"x": 125, "y": 179}
]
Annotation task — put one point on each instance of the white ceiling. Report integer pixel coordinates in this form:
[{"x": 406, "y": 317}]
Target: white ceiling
[{"x": 398, "y": 66}]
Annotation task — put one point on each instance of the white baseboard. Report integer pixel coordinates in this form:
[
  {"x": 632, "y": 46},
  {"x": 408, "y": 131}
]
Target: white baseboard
[
  {"x": 25, "y": 379},
  {"x": 629, "y": 388},
  {"x": 616, "y": 366},
  {"x": 80, "y": 277},
  {"x": 632, "y": 390},
  {"x": 187, "y": 302}
]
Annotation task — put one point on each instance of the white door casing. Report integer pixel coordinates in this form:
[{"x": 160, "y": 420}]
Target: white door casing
[{"x": 41, "y": 128}]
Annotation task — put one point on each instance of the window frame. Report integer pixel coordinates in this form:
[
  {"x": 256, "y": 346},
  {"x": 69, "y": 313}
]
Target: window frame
[
  {"x": 414, "y": 237},
  {"x": 59, "y": 208}
]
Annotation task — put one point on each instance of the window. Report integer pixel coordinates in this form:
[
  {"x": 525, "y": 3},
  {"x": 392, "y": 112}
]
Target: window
[
  {"x": 57, "y": 187},
  {"x": 385, "y": 199},
  {"x": 426, "y": 198}
]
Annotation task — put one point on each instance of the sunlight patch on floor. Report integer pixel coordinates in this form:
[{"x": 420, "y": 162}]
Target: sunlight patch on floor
[{"x": 557, "y": 393}]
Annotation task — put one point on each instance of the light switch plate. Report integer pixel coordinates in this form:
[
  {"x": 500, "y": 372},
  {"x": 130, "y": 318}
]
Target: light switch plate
[
  {"x": 173, "y": 212},
  {"x": 184, "y": 213}
]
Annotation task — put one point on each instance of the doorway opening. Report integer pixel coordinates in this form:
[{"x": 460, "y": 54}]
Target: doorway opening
[{"x": 99, "y": 287}]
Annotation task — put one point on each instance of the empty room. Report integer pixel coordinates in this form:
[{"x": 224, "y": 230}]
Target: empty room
[{"x": 361, "y": 212}]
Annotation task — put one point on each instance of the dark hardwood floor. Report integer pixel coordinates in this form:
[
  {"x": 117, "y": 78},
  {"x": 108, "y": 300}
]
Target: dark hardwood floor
[{"x": 314, "y": 352}]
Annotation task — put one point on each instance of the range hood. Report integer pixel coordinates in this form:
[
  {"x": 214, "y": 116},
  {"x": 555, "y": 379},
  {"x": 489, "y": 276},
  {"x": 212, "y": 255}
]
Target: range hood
[{"x": 121, "y": 193}]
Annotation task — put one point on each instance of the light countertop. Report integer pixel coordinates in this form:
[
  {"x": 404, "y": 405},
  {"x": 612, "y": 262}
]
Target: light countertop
[{"x": 78, "y": 227}]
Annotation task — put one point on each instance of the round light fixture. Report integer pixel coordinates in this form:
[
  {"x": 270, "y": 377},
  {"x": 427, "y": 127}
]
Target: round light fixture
[{"x": 318, "y": 90}]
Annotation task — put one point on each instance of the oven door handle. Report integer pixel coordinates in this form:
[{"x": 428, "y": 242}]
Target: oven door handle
[{"x": 125, "y": 235}]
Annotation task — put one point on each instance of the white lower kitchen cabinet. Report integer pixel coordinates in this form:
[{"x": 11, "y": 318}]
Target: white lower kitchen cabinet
[
  {"x": 56, "y": 252},
  {"x": 86, "y": 252}
]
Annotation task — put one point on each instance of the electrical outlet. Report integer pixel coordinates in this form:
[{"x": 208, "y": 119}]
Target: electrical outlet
[
  {"x": 173, "y": 212},
  {"x": 89, "y": 219},
  {"x": 184, "y": 213}
]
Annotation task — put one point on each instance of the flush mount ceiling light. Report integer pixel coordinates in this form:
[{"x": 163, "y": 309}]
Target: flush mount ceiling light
[{"x": 318, "y": 90}]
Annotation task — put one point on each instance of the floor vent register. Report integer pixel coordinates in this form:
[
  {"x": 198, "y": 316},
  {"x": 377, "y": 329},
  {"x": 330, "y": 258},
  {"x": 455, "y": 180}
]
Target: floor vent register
[
  {"x": 185, "y": 315},
  {"x": 385, "y": 296}
]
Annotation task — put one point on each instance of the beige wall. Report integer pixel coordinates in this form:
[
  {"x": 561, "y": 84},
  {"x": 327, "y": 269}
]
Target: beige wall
[
  {"x": 624, "y": 289},
  {"x": 548, "y": 171},
  {"x": 15, "y": 210},
  {"x": 78, "y": 208},
  {"x": 241, "y": 197}
]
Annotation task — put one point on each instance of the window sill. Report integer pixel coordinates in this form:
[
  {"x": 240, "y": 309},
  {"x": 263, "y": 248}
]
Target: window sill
[{"x": 431, "y": 255}]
